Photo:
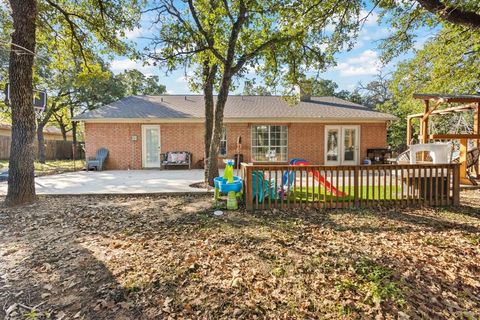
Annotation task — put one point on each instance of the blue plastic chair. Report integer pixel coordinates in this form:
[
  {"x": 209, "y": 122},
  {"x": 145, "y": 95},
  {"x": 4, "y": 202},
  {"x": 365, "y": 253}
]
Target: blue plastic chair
[
  {"x": 263, "y": 185},
  {"x": 99, "y": 161}
]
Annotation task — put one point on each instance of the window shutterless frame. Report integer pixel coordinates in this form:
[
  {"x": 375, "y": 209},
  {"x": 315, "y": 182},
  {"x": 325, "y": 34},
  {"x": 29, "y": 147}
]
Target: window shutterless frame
[{"x": 270, "y": 142}]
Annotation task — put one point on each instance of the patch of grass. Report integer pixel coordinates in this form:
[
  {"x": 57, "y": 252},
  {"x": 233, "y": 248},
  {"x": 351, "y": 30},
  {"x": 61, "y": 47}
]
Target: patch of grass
[
  {"x": 377, "y": 282},
  {"x": 31, "y": 315},
  {"x": 279, "y": 272},
  {"x": 474, "y": 239},
  {"x": 129, "y": 231},
  {"x": 132, "y": 287},
  {"x": 346, "y": 310},
  {"x": 288, "y": 225},
  {"x": 370, "y": 193},
  {"x": 433, "y": 241},
  {"x": 52, "y": 166},
  {"x": 346, "y": 285}
]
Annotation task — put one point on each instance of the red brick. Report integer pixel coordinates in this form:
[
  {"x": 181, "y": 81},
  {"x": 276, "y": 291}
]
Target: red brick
[{"x": 305, "y": 140}]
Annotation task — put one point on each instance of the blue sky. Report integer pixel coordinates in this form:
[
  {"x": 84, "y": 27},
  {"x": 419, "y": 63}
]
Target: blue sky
[{"x": 360, "y": 64}]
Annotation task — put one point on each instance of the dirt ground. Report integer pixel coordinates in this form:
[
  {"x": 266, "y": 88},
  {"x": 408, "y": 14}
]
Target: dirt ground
[{"x": 145, "y": 257}]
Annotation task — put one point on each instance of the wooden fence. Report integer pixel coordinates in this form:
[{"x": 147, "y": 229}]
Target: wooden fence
[
  {"x": 283, "y": 186},
  {"x": 54, "y": 149}
]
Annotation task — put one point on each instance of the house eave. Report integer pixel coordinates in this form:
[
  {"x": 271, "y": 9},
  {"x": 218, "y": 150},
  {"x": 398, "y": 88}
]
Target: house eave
[{"x": 236, "y": 120}]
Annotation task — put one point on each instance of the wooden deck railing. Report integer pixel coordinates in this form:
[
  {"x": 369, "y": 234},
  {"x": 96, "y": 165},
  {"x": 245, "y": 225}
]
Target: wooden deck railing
[{"x": 282, "y": 186}]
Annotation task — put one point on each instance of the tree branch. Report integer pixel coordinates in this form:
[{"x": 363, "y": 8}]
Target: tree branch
[
  {"x": 73, "y": 29},
  {"x": 452, "y": 14},
  {"x": 205, "y": 34},
  {"x": 247, "y": 56}
]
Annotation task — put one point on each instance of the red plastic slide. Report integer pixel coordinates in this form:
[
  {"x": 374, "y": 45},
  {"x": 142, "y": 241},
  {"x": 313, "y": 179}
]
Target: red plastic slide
[{"x": 328, "y": 186}]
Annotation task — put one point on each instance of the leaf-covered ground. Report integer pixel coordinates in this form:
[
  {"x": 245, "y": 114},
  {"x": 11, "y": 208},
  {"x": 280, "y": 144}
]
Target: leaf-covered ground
[{"x": 147, "y": 257}]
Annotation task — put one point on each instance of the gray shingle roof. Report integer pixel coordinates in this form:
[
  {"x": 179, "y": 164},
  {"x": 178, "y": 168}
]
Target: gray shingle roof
[{"x": 191, "y": 107}]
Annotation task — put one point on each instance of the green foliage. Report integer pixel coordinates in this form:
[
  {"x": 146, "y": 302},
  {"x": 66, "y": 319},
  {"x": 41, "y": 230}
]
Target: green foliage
[
  {"x": 474, "y": 239},
  {"x": 324, "y": 88},
  {"x": 73, "y": 38},
  {"x": 377, "y": 282},
  {"x": 251, "y": 89},
  {"x": 405, "y": 18},
  {"x": 442, "y": 66},
  {"x": 87, "y": 26},
  {"x": 6, "y": 29},
  {"x": 279, "y": 272},
  {"x": 136, "y": 83},
  {"x": 352, "y": 96},
  {"x": 273, "y": 36},
  {"x": 346, "y": 285},
  {"x": 31, "y": 315}
]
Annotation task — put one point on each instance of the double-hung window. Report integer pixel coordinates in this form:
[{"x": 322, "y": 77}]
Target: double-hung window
[{"x": 269, "y": 143}]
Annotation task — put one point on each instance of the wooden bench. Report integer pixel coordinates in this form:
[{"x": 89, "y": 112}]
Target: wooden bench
[{"x": 176, "y": 158}]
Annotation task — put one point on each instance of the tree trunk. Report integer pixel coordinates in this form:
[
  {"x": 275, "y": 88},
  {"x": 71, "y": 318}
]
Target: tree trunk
[
  {"x": 41, "y": 123},
  {"x": 209, "y": 74},
  {"x": 63, "y": 129},
  {"x": 21, "y": 178},
  {"x": 218, "y": 127},
  {"x": 74, "y": 135},
  {"x": 42, "y": 157}
]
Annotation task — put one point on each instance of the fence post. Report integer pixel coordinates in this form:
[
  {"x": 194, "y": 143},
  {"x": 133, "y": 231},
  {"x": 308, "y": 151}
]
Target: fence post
[
  {"x": 248, "y": 185},
  {"x": 456, "y": 184},
  {"x": 356, "y": 183}
]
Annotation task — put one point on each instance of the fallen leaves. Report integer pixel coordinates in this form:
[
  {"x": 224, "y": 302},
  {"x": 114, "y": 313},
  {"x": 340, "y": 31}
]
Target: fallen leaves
[{"x": 154, "y": 257}]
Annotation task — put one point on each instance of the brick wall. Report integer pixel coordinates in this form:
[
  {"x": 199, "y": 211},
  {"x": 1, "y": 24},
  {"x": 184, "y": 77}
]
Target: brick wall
[
  {"x": 116, "y": 137},
  {"x": 372, "y": 135},
  {"x": 305, "y": 140},
  {"x": 183, "y": 137}
]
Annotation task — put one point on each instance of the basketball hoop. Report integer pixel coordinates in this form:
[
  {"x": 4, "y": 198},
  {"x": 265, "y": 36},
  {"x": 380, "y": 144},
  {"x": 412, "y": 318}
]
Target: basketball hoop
[
  {"x": 38, "y": 111},
  {"x": 39, "y": 100}
]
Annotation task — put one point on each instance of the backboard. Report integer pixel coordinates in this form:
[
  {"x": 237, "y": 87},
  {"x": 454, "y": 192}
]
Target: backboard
[{"x": 39, "y": 100}]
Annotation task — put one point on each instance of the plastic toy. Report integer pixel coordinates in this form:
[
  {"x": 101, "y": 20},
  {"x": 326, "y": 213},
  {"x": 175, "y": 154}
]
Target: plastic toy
[
  {"x": 264, "y": 186},
  {"x": 228, "y": 184},
  {"x": 288, "y": 177}
]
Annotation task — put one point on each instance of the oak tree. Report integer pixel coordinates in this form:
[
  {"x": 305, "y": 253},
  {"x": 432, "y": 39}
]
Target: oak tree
[
  {"x": 79, "y": 22},
  {"x": 229, "y": 36}
]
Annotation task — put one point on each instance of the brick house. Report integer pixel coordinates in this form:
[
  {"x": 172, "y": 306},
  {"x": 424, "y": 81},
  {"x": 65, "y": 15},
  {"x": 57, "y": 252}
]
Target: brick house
[{"x": 323, "y": 130}]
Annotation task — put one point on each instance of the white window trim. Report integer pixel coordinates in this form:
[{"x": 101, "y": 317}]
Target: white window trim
[{"x": 269, "y": 142}]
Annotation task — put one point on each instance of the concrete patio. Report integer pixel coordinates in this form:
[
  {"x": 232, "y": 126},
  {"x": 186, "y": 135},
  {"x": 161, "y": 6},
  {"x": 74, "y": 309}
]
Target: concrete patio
[{"x": 117, "y": 182}]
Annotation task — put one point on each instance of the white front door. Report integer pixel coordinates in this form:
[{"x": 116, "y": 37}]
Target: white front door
[
  {"x": 341, "y": 145},
  {"x": 151, "y": 146}
]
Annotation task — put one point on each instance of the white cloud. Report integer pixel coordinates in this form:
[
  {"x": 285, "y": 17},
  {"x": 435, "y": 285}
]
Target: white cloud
[
  {"x": 121, "y": 65},
  {"x": 185, "y": 77},
  {"x": 367, "y": 63},
  {"x": 373, "y": 34},
  {"x": 133, "y": 34},
  {"x": 420, "y": 42},
  {"x": 371, "y": 18}
]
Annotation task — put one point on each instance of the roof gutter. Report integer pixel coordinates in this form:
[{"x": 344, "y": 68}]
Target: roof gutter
[{"x": 237, "y": 120}]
